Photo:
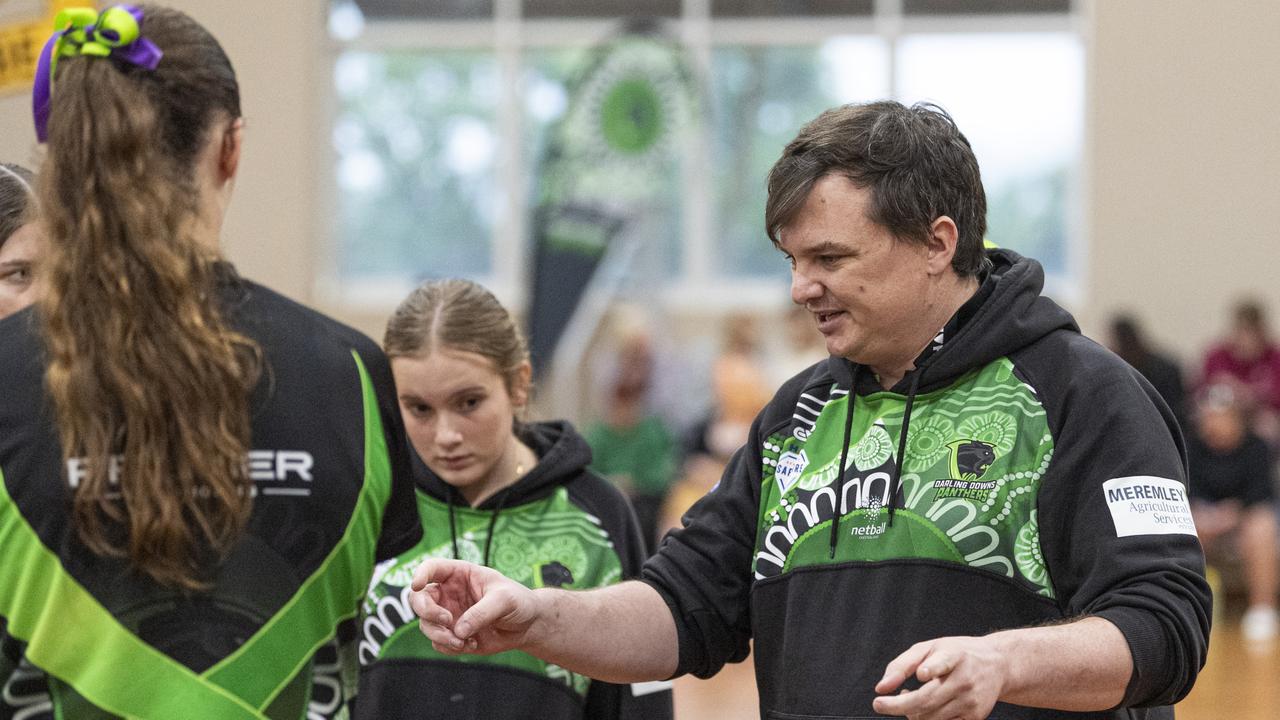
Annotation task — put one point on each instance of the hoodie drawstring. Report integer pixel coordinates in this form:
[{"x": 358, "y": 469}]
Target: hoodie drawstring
[
  {"x": 493, "y": 525},
  {"x": 844, "y": 456},
  {"x": 453, "y": 525},
  {"x": 895, "y": 479}
]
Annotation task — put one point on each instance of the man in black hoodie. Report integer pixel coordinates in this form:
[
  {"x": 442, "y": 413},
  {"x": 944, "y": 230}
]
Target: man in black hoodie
[{"x": 1012, "y": 539}]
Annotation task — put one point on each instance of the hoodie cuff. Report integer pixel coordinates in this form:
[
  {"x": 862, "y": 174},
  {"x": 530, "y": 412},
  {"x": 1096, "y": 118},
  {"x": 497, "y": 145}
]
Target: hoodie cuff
[
  {"x": 683, "y": 660},
  {"x": 1154, "y": 672}
]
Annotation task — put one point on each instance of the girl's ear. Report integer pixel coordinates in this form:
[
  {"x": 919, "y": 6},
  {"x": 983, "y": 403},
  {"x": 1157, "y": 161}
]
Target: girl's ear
[
  {"x": 229, "y": 157},
  {"x": 521, "y": 381}
]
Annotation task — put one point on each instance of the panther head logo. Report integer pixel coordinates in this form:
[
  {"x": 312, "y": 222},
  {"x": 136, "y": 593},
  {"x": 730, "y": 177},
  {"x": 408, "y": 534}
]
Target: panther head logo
[
  {"x": 971, "y": 458},
  {"x": 556, "y": 575}
]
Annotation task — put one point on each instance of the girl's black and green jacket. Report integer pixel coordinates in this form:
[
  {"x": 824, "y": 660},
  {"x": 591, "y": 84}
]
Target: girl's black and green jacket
[
  {"x": 84, "y": 637},
  {"x": 559, "y": 526}
]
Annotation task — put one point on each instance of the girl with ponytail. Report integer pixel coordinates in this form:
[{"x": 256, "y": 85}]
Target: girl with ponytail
[
  {"x": 497, "y": 490},
  {"x": 171, "y": 477},
  {"x": 140, "y": 164}
]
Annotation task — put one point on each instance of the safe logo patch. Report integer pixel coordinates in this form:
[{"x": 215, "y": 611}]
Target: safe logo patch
[{"x": 790, "y": 466}]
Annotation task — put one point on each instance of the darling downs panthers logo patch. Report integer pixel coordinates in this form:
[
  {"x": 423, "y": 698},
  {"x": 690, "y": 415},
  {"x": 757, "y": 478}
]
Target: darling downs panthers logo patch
[{"x": 969, "y": 462}]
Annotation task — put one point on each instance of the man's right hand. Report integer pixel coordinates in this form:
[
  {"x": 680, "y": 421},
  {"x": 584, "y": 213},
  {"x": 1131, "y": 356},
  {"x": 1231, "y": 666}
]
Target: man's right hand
[
  {"x": 623, "y": 633},
  {"x": 467, "y": 608}
]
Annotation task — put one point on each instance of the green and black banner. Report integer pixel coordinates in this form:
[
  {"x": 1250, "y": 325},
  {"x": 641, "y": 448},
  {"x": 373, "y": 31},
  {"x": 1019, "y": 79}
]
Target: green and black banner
[{"x": 604, "y": 162}]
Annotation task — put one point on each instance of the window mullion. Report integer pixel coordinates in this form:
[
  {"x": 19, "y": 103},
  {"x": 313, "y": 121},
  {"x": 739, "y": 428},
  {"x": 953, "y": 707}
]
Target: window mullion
[
  {"x": 696, "y": 175},
  {"x": 888, "y": 22},
  {"x": 509, "y": 252}
]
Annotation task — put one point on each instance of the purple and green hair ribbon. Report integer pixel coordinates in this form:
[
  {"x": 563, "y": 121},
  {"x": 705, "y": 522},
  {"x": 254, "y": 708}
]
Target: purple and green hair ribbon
[{"x": 116, "y": 32}]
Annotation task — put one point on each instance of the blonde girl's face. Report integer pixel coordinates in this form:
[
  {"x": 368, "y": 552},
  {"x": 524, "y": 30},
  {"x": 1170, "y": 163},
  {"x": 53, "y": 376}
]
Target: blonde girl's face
[
  {"x": 18, "y": 256},
  {"x": 458, "y": 414}
]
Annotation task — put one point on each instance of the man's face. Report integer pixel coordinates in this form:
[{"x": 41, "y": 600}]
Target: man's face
[{"x": 866, "y": 289}]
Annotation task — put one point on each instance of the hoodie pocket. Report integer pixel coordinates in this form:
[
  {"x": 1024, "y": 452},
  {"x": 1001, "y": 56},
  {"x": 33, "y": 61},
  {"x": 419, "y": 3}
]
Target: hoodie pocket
[{"x": 404, "y": 689}]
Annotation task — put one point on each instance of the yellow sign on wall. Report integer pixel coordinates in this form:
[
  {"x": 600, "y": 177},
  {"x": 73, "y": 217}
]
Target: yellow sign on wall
[{"x": 25, "y": 25}]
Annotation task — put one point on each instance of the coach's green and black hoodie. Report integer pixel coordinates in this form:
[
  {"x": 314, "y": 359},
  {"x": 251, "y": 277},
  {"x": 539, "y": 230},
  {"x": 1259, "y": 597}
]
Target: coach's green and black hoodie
[
  {"x": 84, "y": 637},
  {"x": 558, "y": 526},
  {"x": 1020, "y": 475}
]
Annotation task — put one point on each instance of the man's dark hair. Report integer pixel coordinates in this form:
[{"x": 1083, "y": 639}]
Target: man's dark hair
[{"x": 916, "y": 162}]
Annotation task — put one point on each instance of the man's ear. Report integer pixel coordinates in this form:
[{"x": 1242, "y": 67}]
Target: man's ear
[
  {"x": 229, "y": 157},
  {"x": 943, "y": 238}
]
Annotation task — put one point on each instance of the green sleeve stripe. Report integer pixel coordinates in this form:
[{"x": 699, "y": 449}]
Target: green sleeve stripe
[
  {"x": 332, "y": 592},
  {"x": 72, "y": 637}
]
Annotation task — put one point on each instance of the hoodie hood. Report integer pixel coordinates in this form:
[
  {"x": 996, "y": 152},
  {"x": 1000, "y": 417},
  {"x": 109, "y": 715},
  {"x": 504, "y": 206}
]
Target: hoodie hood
[
  {"x": 562, "y": 453},
  {"x": 1013, "y": 316}
]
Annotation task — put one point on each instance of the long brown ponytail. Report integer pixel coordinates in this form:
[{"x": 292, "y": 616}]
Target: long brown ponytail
[{"x": 149, "y": 383}]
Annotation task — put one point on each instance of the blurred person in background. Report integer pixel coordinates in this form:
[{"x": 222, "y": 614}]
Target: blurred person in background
[
  {"x": 1233, "y": 501},
  {"x": 738, "y": 396},
  {"x": 801, "y": 346},
  {"x": 496, "y": 490},
  {"x": 1249, "y": 361},
  {"x": 740, "y": 347},
  {"x": 1128, "y": 340},
  {"x": 20, "y": 239},
  {"x": 198, "y": 474},
  {"x": 630, "y": 445},
  {"x": 740, "y": 389},
  {"x": 953, "y": 517}
]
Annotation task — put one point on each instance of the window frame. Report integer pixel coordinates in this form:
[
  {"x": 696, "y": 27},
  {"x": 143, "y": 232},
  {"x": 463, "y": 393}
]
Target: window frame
[{"x": 698, "y": 288}]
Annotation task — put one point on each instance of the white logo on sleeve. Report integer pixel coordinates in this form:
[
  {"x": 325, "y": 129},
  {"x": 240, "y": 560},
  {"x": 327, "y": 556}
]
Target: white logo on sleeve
[{"x": 1147, "y": 505}]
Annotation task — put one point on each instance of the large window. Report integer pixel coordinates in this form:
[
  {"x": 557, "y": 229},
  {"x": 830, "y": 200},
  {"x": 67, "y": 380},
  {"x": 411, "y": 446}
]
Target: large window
[
  {"x": 415, "y": 143},
  {"x": 443, "y": 113},
  {"x": 1019, "y": 98},
  {"x": 760, "y": 96}
]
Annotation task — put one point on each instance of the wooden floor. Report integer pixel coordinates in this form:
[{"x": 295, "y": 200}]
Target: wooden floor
[{"x": 1237, "y": 683}]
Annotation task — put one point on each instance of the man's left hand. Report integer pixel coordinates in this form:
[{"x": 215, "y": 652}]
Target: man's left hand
[{"x": 961, "y": 678}]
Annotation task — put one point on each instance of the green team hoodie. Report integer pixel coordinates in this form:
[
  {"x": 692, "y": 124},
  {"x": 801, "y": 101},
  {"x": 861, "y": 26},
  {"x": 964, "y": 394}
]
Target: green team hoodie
[
  {"x": 1020, "y": 475},
  {"x": 559, "y": 526},
  {"x": 85, "y": 638}
]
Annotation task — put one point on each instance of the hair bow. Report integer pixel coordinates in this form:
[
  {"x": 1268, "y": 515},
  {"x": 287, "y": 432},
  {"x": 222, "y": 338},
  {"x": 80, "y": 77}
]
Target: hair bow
[{"x": 116, "y": 32}]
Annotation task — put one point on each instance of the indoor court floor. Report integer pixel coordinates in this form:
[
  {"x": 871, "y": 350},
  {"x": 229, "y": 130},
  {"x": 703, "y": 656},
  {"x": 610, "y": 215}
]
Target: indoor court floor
[{"x": 1238, "y": 683}]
